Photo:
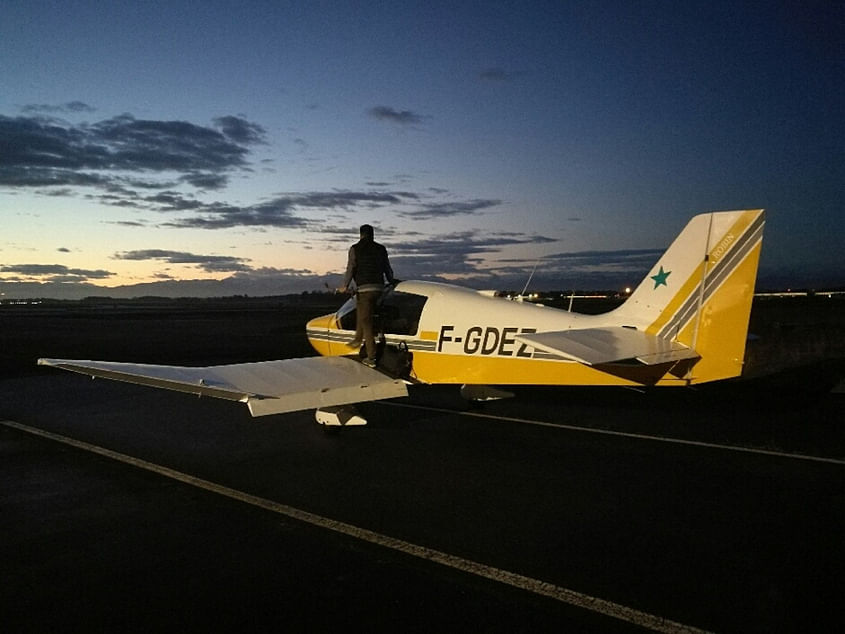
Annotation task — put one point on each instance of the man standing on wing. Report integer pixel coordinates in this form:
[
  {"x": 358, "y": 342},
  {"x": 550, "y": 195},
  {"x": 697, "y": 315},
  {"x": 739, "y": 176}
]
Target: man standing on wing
[{"x": 369, "y": 266}]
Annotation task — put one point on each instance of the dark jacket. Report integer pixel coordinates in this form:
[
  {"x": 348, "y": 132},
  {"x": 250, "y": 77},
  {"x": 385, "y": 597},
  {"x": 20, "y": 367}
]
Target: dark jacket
[{"x": 368, "y": 265}]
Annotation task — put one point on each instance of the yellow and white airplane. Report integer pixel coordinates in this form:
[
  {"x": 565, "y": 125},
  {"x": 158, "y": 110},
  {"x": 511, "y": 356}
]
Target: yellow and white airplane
[{"x": 685, "y": 324}]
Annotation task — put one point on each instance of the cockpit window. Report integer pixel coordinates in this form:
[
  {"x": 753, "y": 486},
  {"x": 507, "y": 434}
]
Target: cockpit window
[
  {"x": 396, "y": 314},
  {"x": 399, "y": 313}
]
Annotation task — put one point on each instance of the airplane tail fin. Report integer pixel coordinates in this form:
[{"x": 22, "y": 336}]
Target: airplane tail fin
[{"x": 699, "y": 293}]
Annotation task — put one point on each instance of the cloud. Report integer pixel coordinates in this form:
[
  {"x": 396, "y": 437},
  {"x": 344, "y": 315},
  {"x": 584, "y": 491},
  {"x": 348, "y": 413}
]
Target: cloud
[
  {"x": 345, "y": 199},
  {"x": 129, "y": 223},
  {"x": 208, "y": 263},
  {"x": 70, "y": 106},
  {"x": 40, "y": 152},
  {"x": 493, "y": 74},
  {"x": 496, "y": 74},
  {"x": 586, "y": 269},
  {"x": 172, "y": 201},
  {"x": 18, "y": 176},
  {"x": 240, "y": 130},
  {"x": 272, "y": 273},
  {"x": 125, "y": 158},
  {"x": 457, "y": 255},
  {"x": 222, "y": 216},
  {"x": 205, "y": 180},
  {"x": 262, "y": 282},
  {"x": 124, "y": 142},
  {"x": 285, "y": 211},
  {"x": 623, "y": 259},
  {"x": 54, "y": 272},
  {"x": 453, "y": 257},
  {"x": 448, "y": 209},
  {"x": 403, "y": 117},
  {"x": 465, "y": 242}
]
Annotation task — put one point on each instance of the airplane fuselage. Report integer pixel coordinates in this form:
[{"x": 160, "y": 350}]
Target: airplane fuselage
[{"x": 466, "y": 337}]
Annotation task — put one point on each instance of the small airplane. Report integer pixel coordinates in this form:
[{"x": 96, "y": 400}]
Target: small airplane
[{"x": 685, "y": 324}]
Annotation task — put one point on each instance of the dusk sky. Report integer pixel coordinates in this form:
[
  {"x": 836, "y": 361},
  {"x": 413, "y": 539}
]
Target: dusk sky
[{"x": 221, "y": 148}]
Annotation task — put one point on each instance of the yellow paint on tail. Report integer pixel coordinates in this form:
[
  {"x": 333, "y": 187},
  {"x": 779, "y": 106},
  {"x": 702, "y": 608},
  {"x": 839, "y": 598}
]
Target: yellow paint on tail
[{"x": 723, "y": 325}]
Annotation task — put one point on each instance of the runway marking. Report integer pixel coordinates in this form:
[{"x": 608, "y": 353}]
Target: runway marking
[
  {"x": 624, "y": 434},
  {"x": 521, "y": 582}
]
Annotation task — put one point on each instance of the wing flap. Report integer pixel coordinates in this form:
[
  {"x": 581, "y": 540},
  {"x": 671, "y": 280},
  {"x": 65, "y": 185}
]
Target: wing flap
[
  {"x": 594, "y": 346},
  {"x": 268, "y": 387}
]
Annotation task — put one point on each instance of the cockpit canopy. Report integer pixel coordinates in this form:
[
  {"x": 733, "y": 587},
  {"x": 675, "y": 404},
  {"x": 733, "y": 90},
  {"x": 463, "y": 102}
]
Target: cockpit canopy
[{"x": 397, "y": 313}]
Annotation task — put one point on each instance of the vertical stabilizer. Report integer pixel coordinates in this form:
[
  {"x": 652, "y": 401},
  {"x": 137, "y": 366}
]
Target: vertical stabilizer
[{"x": 699, "y": 293}]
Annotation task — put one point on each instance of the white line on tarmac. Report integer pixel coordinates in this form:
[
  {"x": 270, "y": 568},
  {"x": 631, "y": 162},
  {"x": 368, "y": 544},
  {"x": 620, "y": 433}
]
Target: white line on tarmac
[
  {"x": 610, "y": 432},
  {"x": 528, "y": 584}
]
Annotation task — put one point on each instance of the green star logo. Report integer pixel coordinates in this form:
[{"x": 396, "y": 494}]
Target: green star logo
[{"x": 660, "y": 278}]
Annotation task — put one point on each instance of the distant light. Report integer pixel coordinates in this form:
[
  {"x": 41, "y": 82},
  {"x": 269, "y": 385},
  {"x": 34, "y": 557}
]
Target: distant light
[{"x": 627, "y": 290}]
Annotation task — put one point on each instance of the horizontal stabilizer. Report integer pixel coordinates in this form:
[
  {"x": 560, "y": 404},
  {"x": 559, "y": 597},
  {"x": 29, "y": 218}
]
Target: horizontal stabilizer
[
  {"x": 594, "y": 346},
  {"x": 267, "y": 387}
]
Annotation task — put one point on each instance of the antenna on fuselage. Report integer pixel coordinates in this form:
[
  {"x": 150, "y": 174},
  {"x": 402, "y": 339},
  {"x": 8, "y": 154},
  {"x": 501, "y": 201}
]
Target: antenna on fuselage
[{"x": 525, "y": 288}]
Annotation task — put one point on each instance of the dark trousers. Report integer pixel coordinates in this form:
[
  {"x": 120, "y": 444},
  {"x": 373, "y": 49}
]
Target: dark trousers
[{"x": 366, "y": 307}]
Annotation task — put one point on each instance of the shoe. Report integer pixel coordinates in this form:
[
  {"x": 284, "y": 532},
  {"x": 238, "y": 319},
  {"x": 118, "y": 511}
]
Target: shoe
[
  {"x": 370, "y": 363},
  {"x": 355, "y": 343}
]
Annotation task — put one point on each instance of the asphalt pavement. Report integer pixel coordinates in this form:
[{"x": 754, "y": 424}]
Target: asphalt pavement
[{"x": 558, "y": 510}]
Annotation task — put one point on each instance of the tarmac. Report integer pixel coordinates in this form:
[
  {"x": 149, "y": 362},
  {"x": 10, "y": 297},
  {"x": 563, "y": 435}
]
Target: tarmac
[{"x": 126, "y": 509}]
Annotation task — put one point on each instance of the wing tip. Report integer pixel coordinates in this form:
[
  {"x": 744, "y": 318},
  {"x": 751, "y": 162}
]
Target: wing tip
[{"x": 49, "y": 362}]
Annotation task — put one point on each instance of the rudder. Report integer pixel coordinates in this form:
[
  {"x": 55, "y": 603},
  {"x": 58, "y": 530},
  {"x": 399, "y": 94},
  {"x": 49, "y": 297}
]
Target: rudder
[{"x": 700, "y": 291}]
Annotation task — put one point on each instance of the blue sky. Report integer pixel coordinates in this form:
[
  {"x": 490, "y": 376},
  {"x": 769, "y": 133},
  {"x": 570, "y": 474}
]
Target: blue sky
[{"x": 234, "y": 147}]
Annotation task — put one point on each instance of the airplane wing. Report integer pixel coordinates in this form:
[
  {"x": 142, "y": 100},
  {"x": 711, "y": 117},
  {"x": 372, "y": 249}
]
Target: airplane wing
[
  {"x": 594, "y": 346},
  {"x": 268, "y": 387}
]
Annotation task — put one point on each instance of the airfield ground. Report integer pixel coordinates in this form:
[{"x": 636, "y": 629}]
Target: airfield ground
[{"x": 720, "y": 508}]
